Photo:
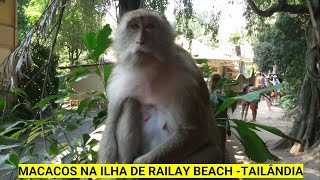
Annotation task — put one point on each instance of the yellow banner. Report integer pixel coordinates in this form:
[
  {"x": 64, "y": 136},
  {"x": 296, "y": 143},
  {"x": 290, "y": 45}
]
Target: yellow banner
[{"x": 161, "y": 170}]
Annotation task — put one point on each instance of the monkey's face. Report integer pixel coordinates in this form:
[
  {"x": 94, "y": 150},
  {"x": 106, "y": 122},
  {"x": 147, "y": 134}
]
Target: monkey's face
[{"x": 142, "y": 33}]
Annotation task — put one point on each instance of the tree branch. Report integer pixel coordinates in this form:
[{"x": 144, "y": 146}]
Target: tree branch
[{"x": 279, "y": 6}]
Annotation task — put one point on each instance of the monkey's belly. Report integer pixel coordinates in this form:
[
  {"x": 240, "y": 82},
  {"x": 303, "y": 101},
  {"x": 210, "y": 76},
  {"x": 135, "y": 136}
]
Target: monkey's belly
[{"x": 155, "y": 128}]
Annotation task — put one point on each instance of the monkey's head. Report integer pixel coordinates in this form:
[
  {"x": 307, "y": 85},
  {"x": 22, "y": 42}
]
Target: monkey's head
[{"x": 142, "y": 33}]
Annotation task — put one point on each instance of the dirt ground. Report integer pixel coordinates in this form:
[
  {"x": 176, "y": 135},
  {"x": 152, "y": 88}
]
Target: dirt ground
[{"x": 275, "y": 118}]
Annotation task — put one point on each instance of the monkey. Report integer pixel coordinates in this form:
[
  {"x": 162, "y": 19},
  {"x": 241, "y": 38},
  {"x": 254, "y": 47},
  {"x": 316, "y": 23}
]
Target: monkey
[{"x": 158, "y": 102}]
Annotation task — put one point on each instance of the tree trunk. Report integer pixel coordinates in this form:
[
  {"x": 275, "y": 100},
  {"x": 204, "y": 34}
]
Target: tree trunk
[
  {"x": 128, "y": 5},
  {"x": 307, "y": 127}
]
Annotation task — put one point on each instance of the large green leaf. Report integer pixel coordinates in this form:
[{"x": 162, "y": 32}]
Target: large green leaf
[
  {"x": 44, "y": 102},
  {"x": 90, "y": 40},
  {"x": 7, "y": 143},
  {"x": 53, "y": 149},
  {"x": 107, "y": 69},
  {"x": 13, "y": 160},
  {"x": 97, "y": 43},
  {"x": 270, "y": 129},
  {"x": 7, "y": 126},
  {"x": 250, "y": 97},
  {"x": 103, "y": 41},
  {"x": 255, "y": 148}
]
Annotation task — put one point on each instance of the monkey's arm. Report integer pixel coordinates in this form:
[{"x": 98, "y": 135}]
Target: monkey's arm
[
  {"x": 108, "y": 150},
  {"x": 190, "y": 135},
  {"x": 176, "y": 149}
]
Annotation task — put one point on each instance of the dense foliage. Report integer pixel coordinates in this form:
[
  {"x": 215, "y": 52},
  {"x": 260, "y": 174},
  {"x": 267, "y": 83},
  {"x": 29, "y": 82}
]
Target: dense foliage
[
  {"x": 284, "y": 45},
  {"x": 33, "y": 79}
]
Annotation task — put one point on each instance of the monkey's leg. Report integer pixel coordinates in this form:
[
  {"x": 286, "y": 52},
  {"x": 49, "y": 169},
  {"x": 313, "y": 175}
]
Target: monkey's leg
[
  {"x": 209, "y": 154},
  {"x": 129, "y": 131}
]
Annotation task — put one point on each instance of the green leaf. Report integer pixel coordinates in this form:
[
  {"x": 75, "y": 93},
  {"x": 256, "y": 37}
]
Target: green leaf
[
  {"x": 42, "y": 121},
  {"x": 255, "y": 148},
  {"x": 270, "y": 129},
  {"x": 227, "y": 103},
  {"x": 13, "y": 160},
  {"x": 250, "y": 97},
  {"x": 80, "y": 71},
  {"x": 68, "y": 158},
  {"x": 93, "y": 142},
  {"x": 2, "y": 103},
  {"x": 7, "y": 126},
  {"x": 71, "y": 127},
  {"x": 25, "y": 159},
  {"x": 53, "y": 149},
  {"x": 106, "y": 73},
  {"x": 8, "y": 143},
  {"x": 27, "y": 105},
  {"x": 90, "y": 40},
  {"x": 84, "y": 139},
  {"x": 99, "y": 119},
  {"x": 17, "y": 134},
  {"x": 34, "y": 134},
  {"x": 81, "y": 78},
  {"x": 103, "y": 41},
  {"x": 44, "y": 102},
  {"x": 19, "y": 91},
  {"x": 81, "y": 106},
  {"x": 91, "y": 106},
  {"x": 3, "y": 158}
]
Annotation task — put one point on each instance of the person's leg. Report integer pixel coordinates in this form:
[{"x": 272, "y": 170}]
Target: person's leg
[
  {"x": 242, "y": 110},
  {"x": 253, "y": 108},
  {"x": 254, "y": 115},
  {"x": 246, "y": 111},
  {"x": 269, "y": 103}
]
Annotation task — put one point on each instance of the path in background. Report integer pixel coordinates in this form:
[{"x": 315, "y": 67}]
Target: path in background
[{"x": 273, "y": 118}]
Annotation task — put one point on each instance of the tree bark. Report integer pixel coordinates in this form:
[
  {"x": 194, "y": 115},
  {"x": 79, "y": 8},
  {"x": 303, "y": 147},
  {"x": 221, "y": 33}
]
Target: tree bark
[
  {"x": 307, "y": 127},
  {"x": 128, "y": 5}
]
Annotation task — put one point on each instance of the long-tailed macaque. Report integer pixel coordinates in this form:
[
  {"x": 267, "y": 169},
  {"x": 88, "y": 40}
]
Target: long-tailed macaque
[{"x": 159, "y": 109}]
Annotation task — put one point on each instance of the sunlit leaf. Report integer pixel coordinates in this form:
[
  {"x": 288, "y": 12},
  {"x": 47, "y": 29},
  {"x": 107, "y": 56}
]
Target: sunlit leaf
[
  {"x": 250, "y": 97},
  {"x": 255, "y": 148},
  {"x": 270, "y": 129},
  {"x": 90, "y": 40},
  {"x": 103, "y": 41}
]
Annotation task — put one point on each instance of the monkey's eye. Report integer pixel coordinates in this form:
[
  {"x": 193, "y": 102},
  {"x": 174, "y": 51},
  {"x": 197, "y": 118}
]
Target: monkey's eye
[{"x": 134, "y": 26}]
